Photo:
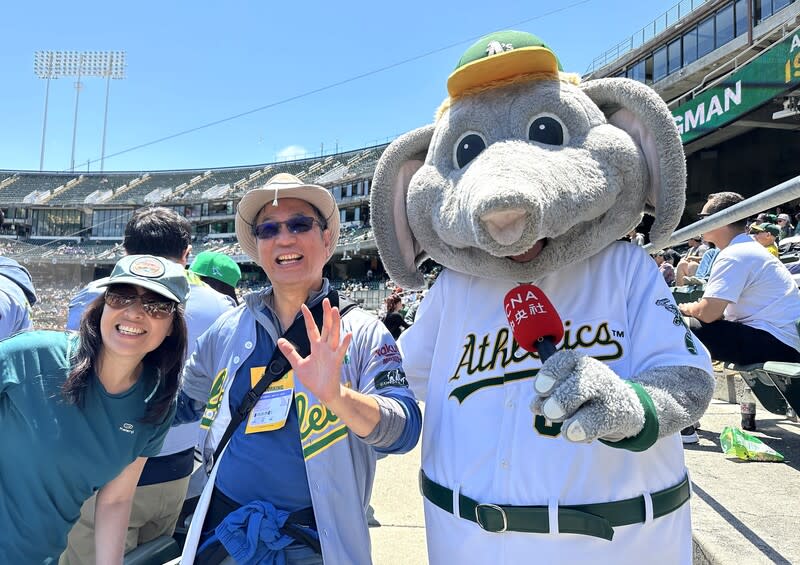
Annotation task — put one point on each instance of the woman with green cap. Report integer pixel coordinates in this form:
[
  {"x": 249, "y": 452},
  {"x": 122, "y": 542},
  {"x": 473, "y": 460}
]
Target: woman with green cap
[{"x": 81, "y": 412}]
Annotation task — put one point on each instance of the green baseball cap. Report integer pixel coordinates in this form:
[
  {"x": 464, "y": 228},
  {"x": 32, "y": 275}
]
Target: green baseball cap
[
  {"x": 217, "y": 266},
  {"x": 501, "y": 55},
  {"x": 767, "y": 227},
  {"x": 160, "y": 275}
]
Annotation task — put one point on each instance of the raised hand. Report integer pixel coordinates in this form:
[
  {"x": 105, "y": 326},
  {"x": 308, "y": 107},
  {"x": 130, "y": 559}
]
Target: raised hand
[{"x": 320, "y": 371}]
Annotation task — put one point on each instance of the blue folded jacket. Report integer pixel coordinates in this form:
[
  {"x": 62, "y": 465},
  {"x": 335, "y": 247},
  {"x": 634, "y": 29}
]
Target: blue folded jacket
[{"x": 252, "y": 536}]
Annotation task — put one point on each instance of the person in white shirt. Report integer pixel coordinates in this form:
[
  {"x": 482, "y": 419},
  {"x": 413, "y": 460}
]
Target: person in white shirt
[{"x": 751, "y": 305}]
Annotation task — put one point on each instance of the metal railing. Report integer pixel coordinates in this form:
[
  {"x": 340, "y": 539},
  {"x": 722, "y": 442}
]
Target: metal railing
[
  {"x": 750, "y": 53},
  {"x": 775, "y": 196},
  {"x": 678, "y": 12}
]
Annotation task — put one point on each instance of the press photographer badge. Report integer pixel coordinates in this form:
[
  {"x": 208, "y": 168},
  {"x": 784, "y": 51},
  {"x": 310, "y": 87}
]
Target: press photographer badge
[{"x": 272, "y": 409}]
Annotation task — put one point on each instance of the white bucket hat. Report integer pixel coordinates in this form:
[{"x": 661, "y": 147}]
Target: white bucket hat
[{"x": 283, "y": 185}]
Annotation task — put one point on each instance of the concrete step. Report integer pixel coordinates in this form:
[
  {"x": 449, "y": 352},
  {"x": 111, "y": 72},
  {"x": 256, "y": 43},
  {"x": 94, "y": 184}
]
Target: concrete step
[{"x": 744, "y": 512}]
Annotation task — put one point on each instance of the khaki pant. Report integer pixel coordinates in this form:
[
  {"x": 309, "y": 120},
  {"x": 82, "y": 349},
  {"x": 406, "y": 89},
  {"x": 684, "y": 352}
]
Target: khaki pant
[{"x": 154, "y": 513}]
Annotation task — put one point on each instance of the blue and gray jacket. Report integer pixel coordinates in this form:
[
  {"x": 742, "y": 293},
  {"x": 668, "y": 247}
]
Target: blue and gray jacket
[
  {"x": 340, "y": 465},
  {"x": 17, "y": 295}
]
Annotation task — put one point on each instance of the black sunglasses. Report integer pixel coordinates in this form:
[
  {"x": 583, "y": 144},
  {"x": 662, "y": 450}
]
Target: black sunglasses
[
  {"x": 157, "y": 309},
  {"x": 295, "y": 225}
]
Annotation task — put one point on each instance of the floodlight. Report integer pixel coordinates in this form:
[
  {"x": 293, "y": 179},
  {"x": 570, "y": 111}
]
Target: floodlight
[{"x": 78, "y": 64}]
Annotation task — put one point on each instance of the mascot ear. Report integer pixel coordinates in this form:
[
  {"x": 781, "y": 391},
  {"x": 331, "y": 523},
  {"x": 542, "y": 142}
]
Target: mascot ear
[
  {"x": 639, "y": 111},
  {"x": 400, "y": 251}
]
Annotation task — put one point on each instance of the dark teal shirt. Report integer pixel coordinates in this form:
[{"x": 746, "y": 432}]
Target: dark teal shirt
[{"x": 55, "y": 454}]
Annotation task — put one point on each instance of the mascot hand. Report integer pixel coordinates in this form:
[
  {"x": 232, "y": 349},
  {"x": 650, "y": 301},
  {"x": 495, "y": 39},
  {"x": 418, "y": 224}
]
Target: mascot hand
[{"x": 588, "y": 397}]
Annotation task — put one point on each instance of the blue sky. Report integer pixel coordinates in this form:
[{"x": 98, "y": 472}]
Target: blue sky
[{"x": 194, "y": 63}]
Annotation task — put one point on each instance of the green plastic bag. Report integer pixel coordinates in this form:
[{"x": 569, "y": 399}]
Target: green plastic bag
[{"x": 744, "y": 446}]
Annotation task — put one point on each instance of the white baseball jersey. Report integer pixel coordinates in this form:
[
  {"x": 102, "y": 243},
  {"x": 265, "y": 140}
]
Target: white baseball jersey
[{"x": 481, "y": 439}]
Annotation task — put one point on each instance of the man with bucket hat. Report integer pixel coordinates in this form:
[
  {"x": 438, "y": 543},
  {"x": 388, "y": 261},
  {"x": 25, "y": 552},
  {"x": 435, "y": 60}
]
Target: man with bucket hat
[{"x": 302, "y": 453}]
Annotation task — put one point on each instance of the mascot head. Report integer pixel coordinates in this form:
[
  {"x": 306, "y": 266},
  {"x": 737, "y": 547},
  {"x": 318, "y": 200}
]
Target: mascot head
[{"x": 525, "y": 169}]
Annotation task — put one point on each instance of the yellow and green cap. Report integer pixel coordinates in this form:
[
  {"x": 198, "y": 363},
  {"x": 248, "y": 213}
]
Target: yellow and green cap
[{"x": 501, "y": 55}]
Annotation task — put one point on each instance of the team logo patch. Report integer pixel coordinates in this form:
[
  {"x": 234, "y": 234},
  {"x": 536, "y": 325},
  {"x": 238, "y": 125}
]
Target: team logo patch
[
  {"x": 495, "y": 48},
  {"x": 395, "y": 377},
  {"x": 388, "y": 354},
  {"x": 149, "y": 267},
  {"x": 214, "y": 399},
  {"x": 677, "y": 320}
]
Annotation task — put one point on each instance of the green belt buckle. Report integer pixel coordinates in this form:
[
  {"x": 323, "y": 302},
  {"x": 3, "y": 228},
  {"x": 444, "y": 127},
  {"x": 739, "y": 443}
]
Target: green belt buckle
[{"x": 480, "y": 510}]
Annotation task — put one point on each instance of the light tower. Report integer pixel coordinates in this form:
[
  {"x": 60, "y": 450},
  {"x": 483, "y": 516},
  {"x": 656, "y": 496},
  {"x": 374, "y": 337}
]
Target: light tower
[{"x": 77, "y": 64}]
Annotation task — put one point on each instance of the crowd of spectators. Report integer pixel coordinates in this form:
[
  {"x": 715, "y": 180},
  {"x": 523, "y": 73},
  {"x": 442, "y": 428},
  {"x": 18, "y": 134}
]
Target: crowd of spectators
[
  {"x": 50, "y": 311},
  {"x": 92, "y": 251},
  {"x": 21, "y": 251},
  {"x": 692, "y": 266},
  {"x": 402, "y": 304}
]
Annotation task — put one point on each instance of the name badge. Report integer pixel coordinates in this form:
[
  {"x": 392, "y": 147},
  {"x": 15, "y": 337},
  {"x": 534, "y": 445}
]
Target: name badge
[{"x": 272, "y": 409}]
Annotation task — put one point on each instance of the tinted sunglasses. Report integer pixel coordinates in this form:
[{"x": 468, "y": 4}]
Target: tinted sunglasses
[
  {"x": 153, "y": 307},
  {"x": 295, "y": 225}
]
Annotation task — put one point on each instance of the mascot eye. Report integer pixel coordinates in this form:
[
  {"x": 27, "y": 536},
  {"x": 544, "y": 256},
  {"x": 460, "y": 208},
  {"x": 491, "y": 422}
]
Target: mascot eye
[
  {"x": 548, "y": 130},
  {"x": 467, "y": 148}
]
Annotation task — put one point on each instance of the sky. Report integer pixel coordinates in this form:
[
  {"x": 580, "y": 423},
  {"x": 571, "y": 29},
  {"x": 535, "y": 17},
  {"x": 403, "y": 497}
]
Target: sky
[{"x": 220, "y": 84}]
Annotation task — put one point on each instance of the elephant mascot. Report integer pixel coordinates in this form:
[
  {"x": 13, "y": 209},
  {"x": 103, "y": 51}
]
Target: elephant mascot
[{"x": 530, "y": 176}]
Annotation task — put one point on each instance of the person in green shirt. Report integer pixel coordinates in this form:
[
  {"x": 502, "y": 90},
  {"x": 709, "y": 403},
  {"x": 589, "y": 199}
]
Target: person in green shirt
[{"x": 81, "y": 412}]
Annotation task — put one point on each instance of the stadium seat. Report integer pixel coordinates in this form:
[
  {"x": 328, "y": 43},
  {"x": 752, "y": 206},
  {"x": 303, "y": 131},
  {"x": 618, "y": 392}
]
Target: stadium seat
[
  {"x": 764, "y": 389},
  {"x": 775, "y": 384},
  {"x": 786, "y": 378},
  {"x": 683, "y": 294},
  {"x": 155, "y": 552}
]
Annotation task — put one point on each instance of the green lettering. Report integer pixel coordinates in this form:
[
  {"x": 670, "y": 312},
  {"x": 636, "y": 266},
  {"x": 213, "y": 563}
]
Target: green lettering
[
  {"x": 466, "y": 358},
  {"x": 500, "y": 349},
  {"x": 461, "y": 393},
  {"x": 314, "y": 418},
  {"x": 545, "y": 427},
  {"x": 603, "y": 335},
  {"x": 579, "y": 336},
  {"x": 482, "y": 366}
]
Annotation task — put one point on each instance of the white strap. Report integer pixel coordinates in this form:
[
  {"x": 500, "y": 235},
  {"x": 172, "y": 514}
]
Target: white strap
[
  {"x": 648, "y": 507},
  {"x": 199, "y": 517},
  {"x": 552, "y": 515}
]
